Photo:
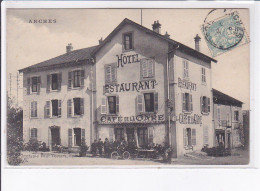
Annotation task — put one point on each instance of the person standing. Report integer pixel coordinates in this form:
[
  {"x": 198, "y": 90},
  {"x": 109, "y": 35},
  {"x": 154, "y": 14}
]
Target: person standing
[
  {"x": 100, "y": 147},
  {"x": 106, "y": 148}
]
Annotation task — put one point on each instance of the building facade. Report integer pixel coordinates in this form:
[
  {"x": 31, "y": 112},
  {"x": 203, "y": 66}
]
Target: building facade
[
  {"x": 57, "y": 100},
  {"x": 137, "y": 85},
  {"x": 228, "y": 120}
]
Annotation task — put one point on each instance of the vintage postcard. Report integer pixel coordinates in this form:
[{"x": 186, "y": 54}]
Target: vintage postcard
[{"x": 135, "y": 87}]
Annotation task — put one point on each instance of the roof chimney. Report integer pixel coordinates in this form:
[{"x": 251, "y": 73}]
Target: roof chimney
[
  {"x": 157, "y": 27},
  {"x": 197, "y": 43},
  {"x": 167, "y": 35},
  {"x": 100, "y": 40},
  {"x": 69, "y": 48}
]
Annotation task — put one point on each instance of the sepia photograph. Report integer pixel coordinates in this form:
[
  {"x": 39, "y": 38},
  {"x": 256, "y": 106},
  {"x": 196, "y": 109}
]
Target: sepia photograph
[{"x": 127, "y": 87}]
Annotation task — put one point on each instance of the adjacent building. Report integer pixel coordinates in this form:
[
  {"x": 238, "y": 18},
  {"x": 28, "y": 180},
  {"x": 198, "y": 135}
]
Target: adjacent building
[
  {"x": 137, "y": 84},
  {"x": 228, "y": 120}
]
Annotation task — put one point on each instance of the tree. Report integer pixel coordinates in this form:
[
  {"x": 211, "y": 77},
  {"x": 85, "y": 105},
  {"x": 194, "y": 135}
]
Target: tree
[{"x": 14, "y": 133}]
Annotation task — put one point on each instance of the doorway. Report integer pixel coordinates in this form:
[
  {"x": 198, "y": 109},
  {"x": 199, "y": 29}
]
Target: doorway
[{"x": 130, "y": 134}]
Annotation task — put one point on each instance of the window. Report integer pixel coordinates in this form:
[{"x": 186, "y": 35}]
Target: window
[
  {"x": 77, "y": 136},
  {"x": 205, "y": 105},
  {"x": 147, "y": 102},
  {"x": 128, "y": 41},
  {"x": 34, "y": 109},
  {"x": 54, "y": 82},
  {"x": 187, "y": 105},
  {"x": 110, "y": 73},
  {"x": 203, "y": 75},
  {"x": 76, "y": 79},
  {"x": 33, "y": 84},
  {"x": 147, "y": 68},
  {"x": 236, "y": 116},
  {"x": 76, "y": 102},
  {"x": 189, "y": 137},
  {"x": 185, "y": 69},
  {"x": 75, "y": 107},
  {"x": 119, "y": 134},
  {"x": 53, "y": 108},
  {"x": 33, "y": 133},
  {"x": 142, "y": 137},
  {"x": 112, "y": 104}
]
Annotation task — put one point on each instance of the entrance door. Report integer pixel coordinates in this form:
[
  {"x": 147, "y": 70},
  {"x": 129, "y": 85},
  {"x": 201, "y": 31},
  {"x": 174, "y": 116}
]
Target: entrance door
[
  {"x": 55, "y": 136},
  {"x": 130, "y": 134},
  {"x": 143, "y": 137}
]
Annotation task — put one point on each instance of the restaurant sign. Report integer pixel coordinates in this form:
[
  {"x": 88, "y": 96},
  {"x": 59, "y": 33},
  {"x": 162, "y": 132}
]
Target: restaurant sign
[{"x": 142, "y": 118}]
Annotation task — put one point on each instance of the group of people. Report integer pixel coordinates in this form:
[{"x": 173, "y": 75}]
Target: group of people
[{"x": 99, "y": 147}]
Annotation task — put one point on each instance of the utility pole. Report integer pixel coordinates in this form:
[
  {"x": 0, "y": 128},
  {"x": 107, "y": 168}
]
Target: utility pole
[{"x": 17, "y": 86}]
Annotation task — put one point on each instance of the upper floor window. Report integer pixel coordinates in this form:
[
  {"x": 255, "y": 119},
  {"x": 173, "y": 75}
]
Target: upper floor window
[
  {"x": 110, "y": 73},
  {"x": 205, "y": 105},
  {"x": 112, "y": 102},
  {"x": 128, "y": 41},
  {"x": 185, "y": 69},
  {"x": 75, "y": 107},
  {"x": 53, "y": 108},
  {"x": 76, "y": 78},
  {"x": 33, "y": 84},
  {"x": 187, "y": 105},
  {"x": 34, "y": 109},
  {"x": 236, "y": 115},
  {"x": 147, "y": 102},
  {"x": 54, "y": 81},
  {"x": 147, "y": 68},
  {"x": 203, "y": 75}
]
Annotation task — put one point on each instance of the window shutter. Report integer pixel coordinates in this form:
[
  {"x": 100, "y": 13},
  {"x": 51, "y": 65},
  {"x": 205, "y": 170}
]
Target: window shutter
[
  {"x": 193, "y": 136},
  {"x": 28, "y": 86},
  {"x": 205, "y": 136},
  {"x": 48, "y": 83},
  {"x": 139, "y": 102},
  {"x": 183, "y": 102},
  {"x": 59, "y": 108},
  {"x": 38, "y": 84},
  {"x": 35, "y": 108},
  {"x": 144, "y": 66},
  {"x": 70, "y": 78},
  {"x": 150, "y": 69},
  {"x": 104, "y": 106},
  {"x": 69, "y": 137},
  {"x": 81, "y": 106},
  {"x": 187, "y": 68},
  {"x": 82, "y": 134},
  {"x": 59, "y": 80},
  {"x": 32, "y": 109},
  {"x": 156, "y": 102},
  {"x": 191, "y": 104},
  {"x": 150, "y": 135},
  {"x": 185, "y": 138},
  {"x": 69, "y": 104},
  {"x": 82, "y": 75},
  {"x": 113, "y": 74},
  {"x": 108, "y": 74},
  {"x": 35, "y": 133},
  {"x": 208, "y": 105},
  {"x": 47, "y": 109},
  {"x": 117, "y": 104}
]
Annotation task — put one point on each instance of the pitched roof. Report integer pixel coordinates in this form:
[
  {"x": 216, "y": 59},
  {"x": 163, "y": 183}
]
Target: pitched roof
[
  {"x": 181, "y": 46},
  {"x": 71, "y": 57},
  {"x": 221, "y": 98}
]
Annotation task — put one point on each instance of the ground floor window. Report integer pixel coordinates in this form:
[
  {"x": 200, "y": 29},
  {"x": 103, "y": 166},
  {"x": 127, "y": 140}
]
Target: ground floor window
[
  {"x": 55, "y": 136},
  {"x": 77, "y": 136},
  {"x": 119, "y": 134},
  {"x": 142, "y": 137},
  {"x": 189, "y": 136},
  {"x": 33, "y": 133}
]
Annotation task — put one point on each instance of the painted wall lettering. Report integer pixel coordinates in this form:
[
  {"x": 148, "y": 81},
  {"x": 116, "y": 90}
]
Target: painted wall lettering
[
  {"x": 123, "y": 59},
  {"x": 190, "y": 119},
  {"x": 134, "y": 86},
  {"x": 186, "y": 85},
  {"x": 132, "y": 119}
]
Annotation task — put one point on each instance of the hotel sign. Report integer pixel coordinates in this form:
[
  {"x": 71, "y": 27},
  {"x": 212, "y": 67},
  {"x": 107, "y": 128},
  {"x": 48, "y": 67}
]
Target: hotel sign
[
  {"x": 123, "y": 59},
  {"x": 142, "y": 118}
]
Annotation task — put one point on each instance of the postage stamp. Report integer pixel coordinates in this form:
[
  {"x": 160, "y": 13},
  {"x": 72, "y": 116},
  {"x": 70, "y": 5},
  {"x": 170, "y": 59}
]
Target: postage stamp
[{"x": 224, "y": 33}]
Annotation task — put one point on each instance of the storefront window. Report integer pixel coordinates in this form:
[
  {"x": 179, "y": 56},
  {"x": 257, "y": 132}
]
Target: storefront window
[
  {"x": 143, "y": 137},
  {"x": 119, "y": 134}
]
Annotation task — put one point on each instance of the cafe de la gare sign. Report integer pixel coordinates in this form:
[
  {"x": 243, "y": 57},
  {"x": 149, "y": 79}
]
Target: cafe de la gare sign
[{"x": 142, "y": 118}]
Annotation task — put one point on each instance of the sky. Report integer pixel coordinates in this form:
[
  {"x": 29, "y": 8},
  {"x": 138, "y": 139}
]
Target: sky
[{"x": 30, "y": 43}]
